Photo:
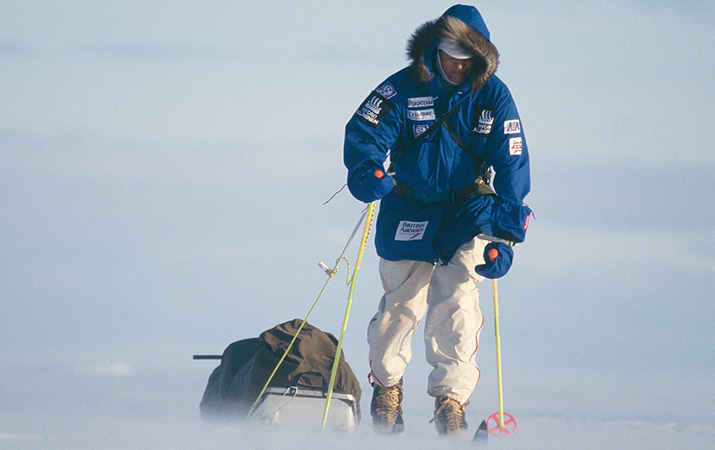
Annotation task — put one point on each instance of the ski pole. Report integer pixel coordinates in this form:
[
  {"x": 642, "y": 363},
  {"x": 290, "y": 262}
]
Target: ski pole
[
  {"x": 498, "y": 343},
  {"x": 336, "y": 360},
  {"x": 501, "y": 427}
]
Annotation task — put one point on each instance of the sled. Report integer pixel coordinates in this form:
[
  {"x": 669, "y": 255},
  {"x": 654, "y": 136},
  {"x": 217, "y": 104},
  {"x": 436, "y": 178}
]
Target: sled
[{"x": 304, "y": 407}]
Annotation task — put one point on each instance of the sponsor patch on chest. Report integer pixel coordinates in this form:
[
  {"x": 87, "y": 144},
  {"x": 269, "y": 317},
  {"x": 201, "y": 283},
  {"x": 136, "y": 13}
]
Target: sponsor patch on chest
[
  {"x": 419, "y": 129},
  {"x": 421, "y": 115},
  {"x": 420, "y": 102},
  {"x": 482, "y": 121},
  {"x": 410, "y": 231},
  {"x": 374, "y": 109}
]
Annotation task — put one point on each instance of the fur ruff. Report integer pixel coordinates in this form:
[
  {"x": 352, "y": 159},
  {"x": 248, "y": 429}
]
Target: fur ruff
[{"x": 486, "y": 56}]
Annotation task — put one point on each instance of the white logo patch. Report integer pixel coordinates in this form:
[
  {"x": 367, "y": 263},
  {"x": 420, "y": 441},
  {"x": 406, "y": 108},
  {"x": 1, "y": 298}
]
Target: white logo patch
[
  {"x": 421, "y": 115},
  {"x": 387, "y": 91},
  {"x": 420, "y": 102},
  {"x": 515, "y": 146},
  {"x": 410, "y": 231},
  {"x": 484, "y": 124},
  {"x": 419, "y": 129},
  {"x": 512, "y": 127},
  {"x": 373, "y": 109}
]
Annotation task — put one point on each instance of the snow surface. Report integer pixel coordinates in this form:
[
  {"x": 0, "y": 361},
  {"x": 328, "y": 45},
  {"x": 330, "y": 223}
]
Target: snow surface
[{"x": 155, "y": 405}]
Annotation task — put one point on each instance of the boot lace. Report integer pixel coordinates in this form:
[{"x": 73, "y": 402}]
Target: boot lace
[
  {"x": 387, "y": 402},
  {"x": 449, "y": 416}
]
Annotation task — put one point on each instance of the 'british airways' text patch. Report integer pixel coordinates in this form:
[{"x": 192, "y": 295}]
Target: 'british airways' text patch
[{"x": 410, "y": 231}]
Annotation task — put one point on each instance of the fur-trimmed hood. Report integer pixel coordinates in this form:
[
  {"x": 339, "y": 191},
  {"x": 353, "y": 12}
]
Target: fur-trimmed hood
[{"x": 461, "y": 25}]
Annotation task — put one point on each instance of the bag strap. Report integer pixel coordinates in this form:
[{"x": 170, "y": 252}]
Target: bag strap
[
  {"x": 462, "y": 145},
  {"x": 429, "y": 130},
  {"x": 481, "y": 167}
]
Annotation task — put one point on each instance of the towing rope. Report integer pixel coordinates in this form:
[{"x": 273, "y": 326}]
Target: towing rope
[
  {"x": 358, "y": 261},
  {"x": 330, "y": 273}
]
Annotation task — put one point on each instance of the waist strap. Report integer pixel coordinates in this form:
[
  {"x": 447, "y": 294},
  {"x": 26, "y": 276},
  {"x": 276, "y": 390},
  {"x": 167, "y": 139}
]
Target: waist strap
[{"x": 479, "y": 187}]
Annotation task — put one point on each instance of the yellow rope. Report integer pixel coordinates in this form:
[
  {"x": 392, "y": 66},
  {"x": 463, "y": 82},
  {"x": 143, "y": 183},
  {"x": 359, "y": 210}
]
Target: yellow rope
[
  {"x": 331, "y": 274},
  {"x": 265, "y": 386},
  {"x": 347, "y": 280},
  {"x": 336, "y": 359}
]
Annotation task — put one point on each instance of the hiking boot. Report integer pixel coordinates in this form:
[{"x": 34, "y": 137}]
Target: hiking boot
[
  {"x": 449, "y": 416},
  {"x": 386, "y": 408}
]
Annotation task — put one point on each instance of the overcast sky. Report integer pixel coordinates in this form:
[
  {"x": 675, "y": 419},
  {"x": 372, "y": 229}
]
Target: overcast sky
[{"x": 163, "y": 168}]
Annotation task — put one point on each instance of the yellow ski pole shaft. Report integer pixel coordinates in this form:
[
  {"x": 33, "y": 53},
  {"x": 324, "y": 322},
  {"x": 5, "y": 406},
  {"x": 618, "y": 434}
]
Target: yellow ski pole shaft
[
  {"x": 336, "y": 360},
  {"x": 496, "y": 333}
]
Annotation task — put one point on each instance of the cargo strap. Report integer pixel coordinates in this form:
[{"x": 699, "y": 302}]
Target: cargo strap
[{"x": 479, "y": 187}]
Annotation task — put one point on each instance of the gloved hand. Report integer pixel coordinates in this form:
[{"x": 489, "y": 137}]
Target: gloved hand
[
  {"x": 374, "y": 185},
  {"x": 497, "y": 257},
  {"x": 510, "y": 221}
]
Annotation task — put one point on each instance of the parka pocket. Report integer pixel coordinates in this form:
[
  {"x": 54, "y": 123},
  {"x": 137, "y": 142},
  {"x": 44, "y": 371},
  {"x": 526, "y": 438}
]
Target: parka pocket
[{"x": 406, "y": 229}]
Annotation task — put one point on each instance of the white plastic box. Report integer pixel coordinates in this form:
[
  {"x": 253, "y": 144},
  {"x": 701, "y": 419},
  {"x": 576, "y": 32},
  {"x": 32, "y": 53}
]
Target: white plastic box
[{"x": 305, "y": 407}]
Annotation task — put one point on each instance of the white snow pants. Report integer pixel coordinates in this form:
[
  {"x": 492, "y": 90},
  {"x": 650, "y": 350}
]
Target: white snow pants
[{"x": 450, "y": 297}]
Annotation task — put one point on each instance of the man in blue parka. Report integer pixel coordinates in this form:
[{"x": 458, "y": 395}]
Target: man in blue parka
[{"x": 447, "y": 123}]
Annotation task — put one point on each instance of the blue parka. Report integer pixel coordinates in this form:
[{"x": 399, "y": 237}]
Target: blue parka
[{"x": 485, "y": 120}]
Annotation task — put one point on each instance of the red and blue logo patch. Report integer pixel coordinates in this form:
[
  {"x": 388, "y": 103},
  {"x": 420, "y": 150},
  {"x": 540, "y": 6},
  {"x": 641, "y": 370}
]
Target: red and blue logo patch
[
  {"x": 419, "y": 129},
  {"x": 387, "y": 91}
]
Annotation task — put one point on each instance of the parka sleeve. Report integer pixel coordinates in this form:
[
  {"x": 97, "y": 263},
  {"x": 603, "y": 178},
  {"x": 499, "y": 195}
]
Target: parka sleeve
[
  {"x": 371, "y": 132},
  {"x": 508, "y": 153}
]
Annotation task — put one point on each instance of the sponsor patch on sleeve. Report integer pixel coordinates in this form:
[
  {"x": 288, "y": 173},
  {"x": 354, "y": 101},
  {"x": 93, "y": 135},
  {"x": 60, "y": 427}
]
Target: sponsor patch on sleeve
[
  {"x": 387, "y": 91},
  {"x": 482, "y": 120},
  {"x": 515, "y": 146},
  {"x": 410, "y": 231},
  {"x": 512, "y": 126},
  {"x": 374, "y": 109}
]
